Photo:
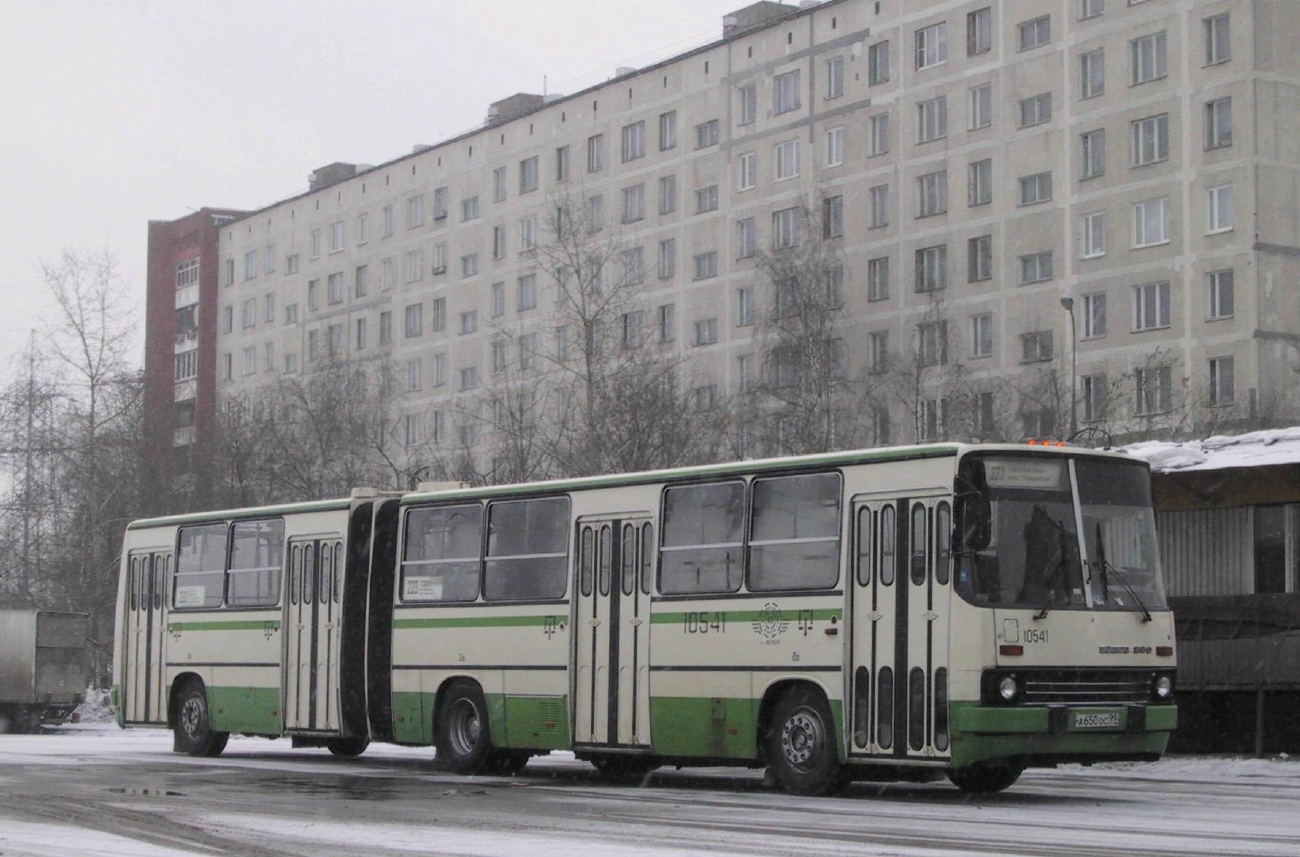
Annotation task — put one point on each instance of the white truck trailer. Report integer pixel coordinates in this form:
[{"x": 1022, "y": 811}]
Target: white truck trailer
[{"x": 43, "y": 667}]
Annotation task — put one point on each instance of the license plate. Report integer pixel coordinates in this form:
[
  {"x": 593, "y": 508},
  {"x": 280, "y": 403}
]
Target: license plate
[{"x": 1097, "y": 721}]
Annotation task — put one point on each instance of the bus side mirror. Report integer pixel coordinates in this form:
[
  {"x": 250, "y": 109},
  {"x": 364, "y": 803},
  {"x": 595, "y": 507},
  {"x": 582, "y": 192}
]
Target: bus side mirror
[{"x": 976, "y": 523}]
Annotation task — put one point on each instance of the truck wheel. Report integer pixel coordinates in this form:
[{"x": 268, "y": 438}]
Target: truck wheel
[
  {"x": 193, "y": 730},
  {"x": 464, "y": 743},
  {"x": 801, "y": 751}
]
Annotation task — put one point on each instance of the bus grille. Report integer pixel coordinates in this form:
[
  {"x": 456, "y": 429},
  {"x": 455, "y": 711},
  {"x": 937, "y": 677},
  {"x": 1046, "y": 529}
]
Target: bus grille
[{"x": 1084, "y": 687}]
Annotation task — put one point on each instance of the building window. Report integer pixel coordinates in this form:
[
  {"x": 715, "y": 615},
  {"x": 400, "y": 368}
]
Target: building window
[
  {"x": 187, "y": 273},
  {"x": 1036, "y": 110},
  {"x": 748, "y": 96},
  {"x": 706, "y": 265},
  {"x": 439, "y": 260},
  {"x": 878, "y": 279},
  {"x": 595, "y": 213},
  {"x": 562, "y": 160},
  {"x": 932, "y": 193},
  {"x": 528, "y": 175},
  {"x": 313, "y": 295},
  {"x": 1149, "y": 58},
  {"x": 336, "y": 333},
  {"x": 878, "y": 134},
  {"x": 1154, "y": 390},
  {"x": 1096, "y": 396},
  {"x": 785, "y": 228},
  {"x": 1036, "y": 188},
  {"x": 498, "y": 296},
  {"x": 291, "y": 263},
  {"x": 633, "y": 267},
  {"x": 932, "y": 343},
  {"x": 187, "y": 365},
  {"x": 878, "y": 206},
  {"x": 980, "y": 106},
  {"x": 1219, "y": 211},
  {"x": 932, "y": 45},
  {"x": 633, "y": 329},
  {"x": 833, "y": 217},
  {"x": 440, "y": 203},
  {"x": 290, "y": 314},
  {"x": 1092, "y": 73},
  {"x": 386, "y": 328},
  {"x": 633, "y": 141},
  {"x": 932, "y": 119},
  {"x": 706, "y": 331},
  {"x": 979, "y": 31},
  {"x": 414, "y": 321},
  {"x": 1036, "y": 267},
  {"x": 469, "y": 209},
  {"x": 878, "y": 351},
  {"x": 979, "y": 182},
  {"x": 1150, "y": 306},
  {"x": 787, "y": 160},
  {"x": 469, "y": 377},
  {"x": 595, "y": 153},
  {"x": 933, "y": 419},
  {"x": 414, "y": 266},
  {"x": 835, "y": 77},
  {"x": 667, "y": 194},
  {"x": 1037, "y": 421},
  {"x": 1093, "y": 153},
  {"x": 469, "y": 265},
  {"x": 747, "y": 167},
  {"x": 706, "y": 134},
  {"x": 268, "y": 259},
  {"x": 746, "y": 238},
  {"x": 249, "y": 313},
  {"x": 415, "y": 211},
  {"x": 668, "y": 130},
  {"x": 498, "y": 356},
  {"x": 250, "y": 264},
  {"x": 932, "y": 268},
  {"x": 633, "y": 203},
  {"x": 334, "y": 287},
  {"x": 1218, "y": 40},
  {"x": 1150, "y": 140},
  {"x": 706, "y": 199},
  {"x": 1093, "y": 235},
  {"x": 1218, "y": 123},
  {"x": 438, "y": 322},
  {"x": 878, "y": 63},
  {"x": 1036, "y": 346},
  {"x": 981, "y": 335},
  {"x": 667, "y": 323},
  {"x": 468, "y": 322},
  {"x": 834, "y": 147},
  {"x": 1034, "y": 33},
  {"x": 668, "y": 259},
  {"x": 268, "y": 308},
  {"x": 1091, "y": 8},
  {"x": 1219, "y": 297},
  {"x": 313, "y": 241},
  {"x": 786, "y": 93},
  {"x": 979, "y": 258},
  {"x": 1151, "y": 222},
  {"x": 387, "y": 216},
  {"x": 745, "y": 310},
  {"x": 499, "y": 242},
  {"x": 1094, "y": 315},
  {"x": 414, "y": 371},
  {"x": 1222, "y": 391}
]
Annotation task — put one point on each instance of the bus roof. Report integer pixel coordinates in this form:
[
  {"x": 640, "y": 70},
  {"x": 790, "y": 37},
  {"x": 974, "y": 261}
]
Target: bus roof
[{"x": 250, "y": 512}]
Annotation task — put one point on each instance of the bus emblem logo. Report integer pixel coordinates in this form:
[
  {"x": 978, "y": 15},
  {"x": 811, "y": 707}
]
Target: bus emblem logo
[{"x": 771, "y": 624}]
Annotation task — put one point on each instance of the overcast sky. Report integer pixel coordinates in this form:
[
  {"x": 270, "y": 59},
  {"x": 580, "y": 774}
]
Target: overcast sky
[{"x": 117, "y": 112}]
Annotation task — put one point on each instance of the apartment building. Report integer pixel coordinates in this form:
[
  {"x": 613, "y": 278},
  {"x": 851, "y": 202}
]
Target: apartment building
[{"x": 1099, "y": 193}]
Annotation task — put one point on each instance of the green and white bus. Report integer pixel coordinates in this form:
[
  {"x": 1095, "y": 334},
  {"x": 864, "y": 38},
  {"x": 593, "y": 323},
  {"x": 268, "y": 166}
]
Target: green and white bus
[{"x": 898, "y": 613}]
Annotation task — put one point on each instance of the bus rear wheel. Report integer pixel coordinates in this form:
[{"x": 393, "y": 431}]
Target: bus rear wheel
[
  {"x": 347, "y": 748},
  {"x": 464, "y": 742},
  {"x": 986, "y": 777},
  {"x": 801, "y": 753},
  {"x": 193, "y": 730}
]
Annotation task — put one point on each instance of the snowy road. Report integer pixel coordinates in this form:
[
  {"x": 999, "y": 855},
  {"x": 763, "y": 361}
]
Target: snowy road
[{"x": 99, "y": 791}]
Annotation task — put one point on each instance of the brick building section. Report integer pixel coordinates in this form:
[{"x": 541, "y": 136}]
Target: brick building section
[{"x": 181, "y": 319}]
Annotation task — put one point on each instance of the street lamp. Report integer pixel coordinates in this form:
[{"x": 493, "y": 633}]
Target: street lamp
[{"x": 1068, "y": 303}]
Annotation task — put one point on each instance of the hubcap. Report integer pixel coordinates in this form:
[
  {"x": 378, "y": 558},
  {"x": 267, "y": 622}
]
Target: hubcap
[
  {"x": 800, "y": 737},
  {"x": 466, "y": 726},
  {"x": 191, "y": 716}
]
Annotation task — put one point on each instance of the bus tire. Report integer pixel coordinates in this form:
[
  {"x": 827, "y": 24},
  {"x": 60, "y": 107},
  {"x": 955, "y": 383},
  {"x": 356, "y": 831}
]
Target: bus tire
[
  {"x": 801, "y": 752},
  {"x": 986, "y": 777},
  {"x": 193, "y": 730},
  {"x": 508, "y": 763},
  {"x": 624, "y": 769},
  {"x": 464, "y": 740},
  {"x": 347, "y": 748}
]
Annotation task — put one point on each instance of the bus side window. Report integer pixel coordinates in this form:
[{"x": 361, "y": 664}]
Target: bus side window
[
  {"x": 943, "y": 542},
  {"x": 586, "y": 560},
  {"x": 888, "y": 546},
  {"x": 628, "y": 558},
  {"x": 605, "y": 570},
  {"x": 919, "y": 544},
  {"x": 647, "y": 556},
  {"x": 338, "y": 572},
  {"x": 295, "y": 573},
  {"x": 865, "y": 546}
]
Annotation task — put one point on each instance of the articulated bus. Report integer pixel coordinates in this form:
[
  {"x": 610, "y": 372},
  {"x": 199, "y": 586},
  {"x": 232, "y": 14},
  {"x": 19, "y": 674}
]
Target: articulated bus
[{"x": 901, "y": 613}]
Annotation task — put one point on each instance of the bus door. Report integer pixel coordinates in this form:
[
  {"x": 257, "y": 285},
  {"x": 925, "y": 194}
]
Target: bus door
[
  {"x": 874, "y": 625},
  {"x": 143, "y": 697},
  {"x": 312, "y": 634},
  {"x": 921, "y": 699},
  {"x": 612, "y": 641}
]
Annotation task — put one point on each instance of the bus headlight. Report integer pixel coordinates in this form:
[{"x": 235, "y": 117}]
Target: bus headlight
[
  {"x": 1008, "y": 688},
  {"x": 1162, "y": 687}
]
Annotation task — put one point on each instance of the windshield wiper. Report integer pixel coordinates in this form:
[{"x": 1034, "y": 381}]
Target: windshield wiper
[{"x": 1104, "y": 567}]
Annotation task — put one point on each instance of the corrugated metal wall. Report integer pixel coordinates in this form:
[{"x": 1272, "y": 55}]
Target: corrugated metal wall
[{"x": 1207, "y": 552}]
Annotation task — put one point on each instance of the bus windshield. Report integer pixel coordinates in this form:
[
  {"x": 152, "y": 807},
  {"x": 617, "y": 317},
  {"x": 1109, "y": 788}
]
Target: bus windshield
[{"x": 1019, "y": 542}]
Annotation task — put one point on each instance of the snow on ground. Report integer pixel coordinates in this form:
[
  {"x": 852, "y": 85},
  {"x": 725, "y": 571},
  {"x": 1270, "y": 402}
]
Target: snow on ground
[{"x": 1254, "y": 449}]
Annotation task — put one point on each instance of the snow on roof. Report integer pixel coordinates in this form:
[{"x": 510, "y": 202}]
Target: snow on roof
[{"x": 1255, "y": 449}]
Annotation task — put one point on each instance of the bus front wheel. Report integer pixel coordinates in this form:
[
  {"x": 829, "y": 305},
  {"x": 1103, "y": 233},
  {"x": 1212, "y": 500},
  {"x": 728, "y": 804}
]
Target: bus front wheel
[
  {"x": 464, "y": 742},
  {"x": 193, "y": 730},
  {"x": 986, "y": 777},
  {"x": 801, "y": 753}
]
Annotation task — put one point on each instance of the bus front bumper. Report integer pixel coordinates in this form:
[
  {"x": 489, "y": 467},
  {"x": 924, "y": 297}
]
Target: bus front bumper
[{"x": 1047, "y": 735}]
